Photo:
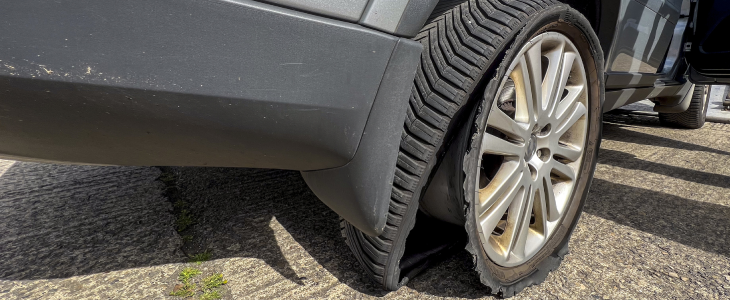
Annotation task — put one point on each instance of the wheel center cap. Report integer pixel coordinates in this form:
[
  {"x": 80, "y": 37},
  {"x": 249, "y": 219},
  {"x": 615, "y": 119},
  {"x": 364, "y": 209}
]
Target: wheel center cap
[{"x": 531, "y": 147}]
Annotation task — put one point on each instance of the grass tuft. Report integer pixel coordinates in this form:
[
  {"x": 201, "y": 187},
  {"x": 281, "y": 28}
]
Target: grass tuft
[
  {"x": 184, "y": 291},
  {"x": 184, "y": 220},
  {"x": 211, "y": 285},
  {"x": 209, "y": 290},
  {"x": 180, "y": 204},
  {"x": 168, "y": 178},
  {"x": 210, "y": 295},
  {"x": 201, "y": 257},
  {"x": 213, "y": 281},
  {"x": 187, "y": 274},
  {"x": 187, "y": 288}
]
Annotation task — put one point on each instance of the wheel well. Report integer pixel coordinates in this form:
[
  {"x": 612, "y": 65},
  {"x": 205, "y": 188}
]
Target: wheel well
[
  {"x": 602, "y": 15},
  {"x": 590, "y": 9}
]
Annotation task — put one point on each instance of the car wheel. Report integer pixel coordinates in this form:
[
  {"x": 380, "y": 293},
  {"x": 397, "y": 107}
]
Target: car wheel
[
  {"x": 694, "y": 116},
  {"x": 525, "y": 160},
  {"x": 464, "y": 44}
]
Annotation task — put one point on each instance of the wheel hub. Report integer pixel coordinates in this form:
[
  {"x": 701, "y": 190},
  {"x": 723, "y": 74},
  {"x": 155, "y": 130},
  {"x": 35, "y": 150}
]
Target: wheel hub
[{"x": 531, "y": 147}]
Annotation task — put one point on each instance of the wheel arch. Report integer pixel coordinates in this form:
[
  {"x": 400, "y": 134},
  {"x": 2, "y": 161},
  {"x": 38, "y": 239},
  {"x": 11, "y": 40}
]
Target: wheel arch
[{"x": 602, "y": 15}]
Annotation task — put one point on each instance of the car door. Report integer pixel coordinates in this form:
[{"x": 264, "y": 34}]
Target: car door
[
  {"x": 636, "y": 36},
  {"x": 708, "y": 46}
]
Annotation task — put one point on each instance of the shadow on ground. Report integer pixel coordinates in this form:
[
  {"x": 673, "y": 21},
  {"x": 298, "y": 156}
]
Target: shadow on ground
[
  {"x": 234, "y": 209},
  {"x": 55, "y": 226},
  {"x": 618, "y": 132},
  {"x": 59, "y": 220},
  {"x": 62, "y": 221},
  {"x": 700, "y": 225},
  {"x": 629, "y": 161}
]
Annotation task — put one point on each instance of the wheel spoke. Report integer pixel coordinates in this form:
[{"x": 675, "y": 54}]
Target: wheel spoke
[
  {"x": 524, "y": 101},
  {"x": 540, "y": 207},
  {"x": 570, "y": 118},
  {"x": 574, "y": 93},
  {"x": 491, "y": 217},
  {"x": 521, "y": 227},
  {"x": 568, "y": 152},
  {"x": 551, "y": 204},
  {"x": 498, "y": 146},
  {"x": 533, "y": 59},
  {"x": 502, "y": 122},
  {"x": 563, "y": 170},
  {"x": 508, "y": 176},
  {"x": 555, "y": 58},
  {"x": 565, "y": 67}
]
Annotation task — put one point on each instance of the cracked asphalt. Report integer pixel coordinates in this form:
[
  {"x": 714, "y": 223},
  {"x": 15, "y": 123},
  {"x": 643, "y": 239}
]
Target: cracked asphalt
[{"x": 656, "y": 226}]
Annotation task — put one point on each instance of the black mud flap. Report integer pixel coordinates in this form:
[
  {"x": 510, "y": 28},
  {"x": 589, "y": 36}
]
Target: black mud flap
[{"x": 431, "y": 241}]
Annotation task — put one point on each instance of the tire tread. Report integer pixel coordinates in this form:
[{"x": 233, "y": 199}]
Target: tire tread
[{"x": 694, "y": 116}]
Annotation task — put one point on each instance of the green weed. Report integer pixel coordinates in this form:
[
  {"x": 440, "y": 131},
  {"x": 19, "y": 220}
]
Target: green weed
[
  {"x": 184, "y": 220},
  {"x": 187, "y": 288},
  {"x": 187, "y": 274},
  {"x": 200, "y": 257},
  {"x": 210, "y": 295},
  {"x": 213, "y": 281}
]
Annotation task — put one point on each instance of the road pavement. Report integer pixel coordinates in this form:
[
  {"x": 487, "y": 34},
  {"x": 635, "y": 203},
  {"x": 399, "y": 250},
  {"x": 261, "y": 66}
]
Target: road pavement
[{"x": 655, "y": 226}]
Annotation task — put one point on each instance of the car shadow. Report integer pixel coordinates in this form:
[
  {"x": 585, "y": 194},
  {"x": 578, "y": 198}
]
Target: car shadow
[
  {"x": 697, "y": 224},
  {"x": 237, "y": 210},
  {"x": 618, "y": 132},
  {"x": 60, "y": 220},
  {"x": 629, "y": 161}
]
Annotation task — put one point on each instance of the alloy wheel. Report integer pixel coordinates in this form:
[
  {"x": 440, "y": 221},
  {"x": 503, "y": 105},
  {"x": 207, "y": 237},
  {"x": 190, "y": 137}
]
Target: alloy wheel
[{"x": 532, "y": 149}]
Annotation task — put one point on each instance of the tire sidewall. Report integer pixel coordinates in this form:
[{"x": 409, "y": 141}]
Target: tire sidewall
[{"x": 569, "y": 22}]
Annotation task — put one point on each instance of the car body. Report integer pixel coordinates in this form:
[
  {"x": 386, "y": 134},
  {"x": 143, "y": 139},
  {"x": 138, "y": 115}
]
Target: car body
[{"x": 315, "y": 86}]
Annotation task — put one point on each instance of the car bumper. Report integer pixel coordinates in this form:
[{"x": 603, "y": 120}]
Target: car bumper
[{"x": 208, "y": 83}]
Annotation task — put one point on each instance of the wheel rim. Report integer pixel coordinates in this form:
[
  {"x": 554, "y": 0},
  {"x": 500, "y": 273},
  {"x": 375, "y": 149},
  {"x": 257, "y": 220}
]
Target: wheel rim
[{"x": 532, "y": 149}]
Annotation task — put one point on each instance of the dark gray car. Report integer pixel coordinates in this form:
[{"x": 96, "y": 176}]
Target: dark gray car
[{"x": 427, "y": 125}]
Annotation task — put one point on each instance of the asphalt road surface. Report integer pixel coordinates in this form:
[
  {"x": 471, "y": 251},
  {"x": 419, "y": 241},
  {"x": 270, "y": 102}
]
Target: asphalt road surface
[{"x": 656, "y": 226}]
